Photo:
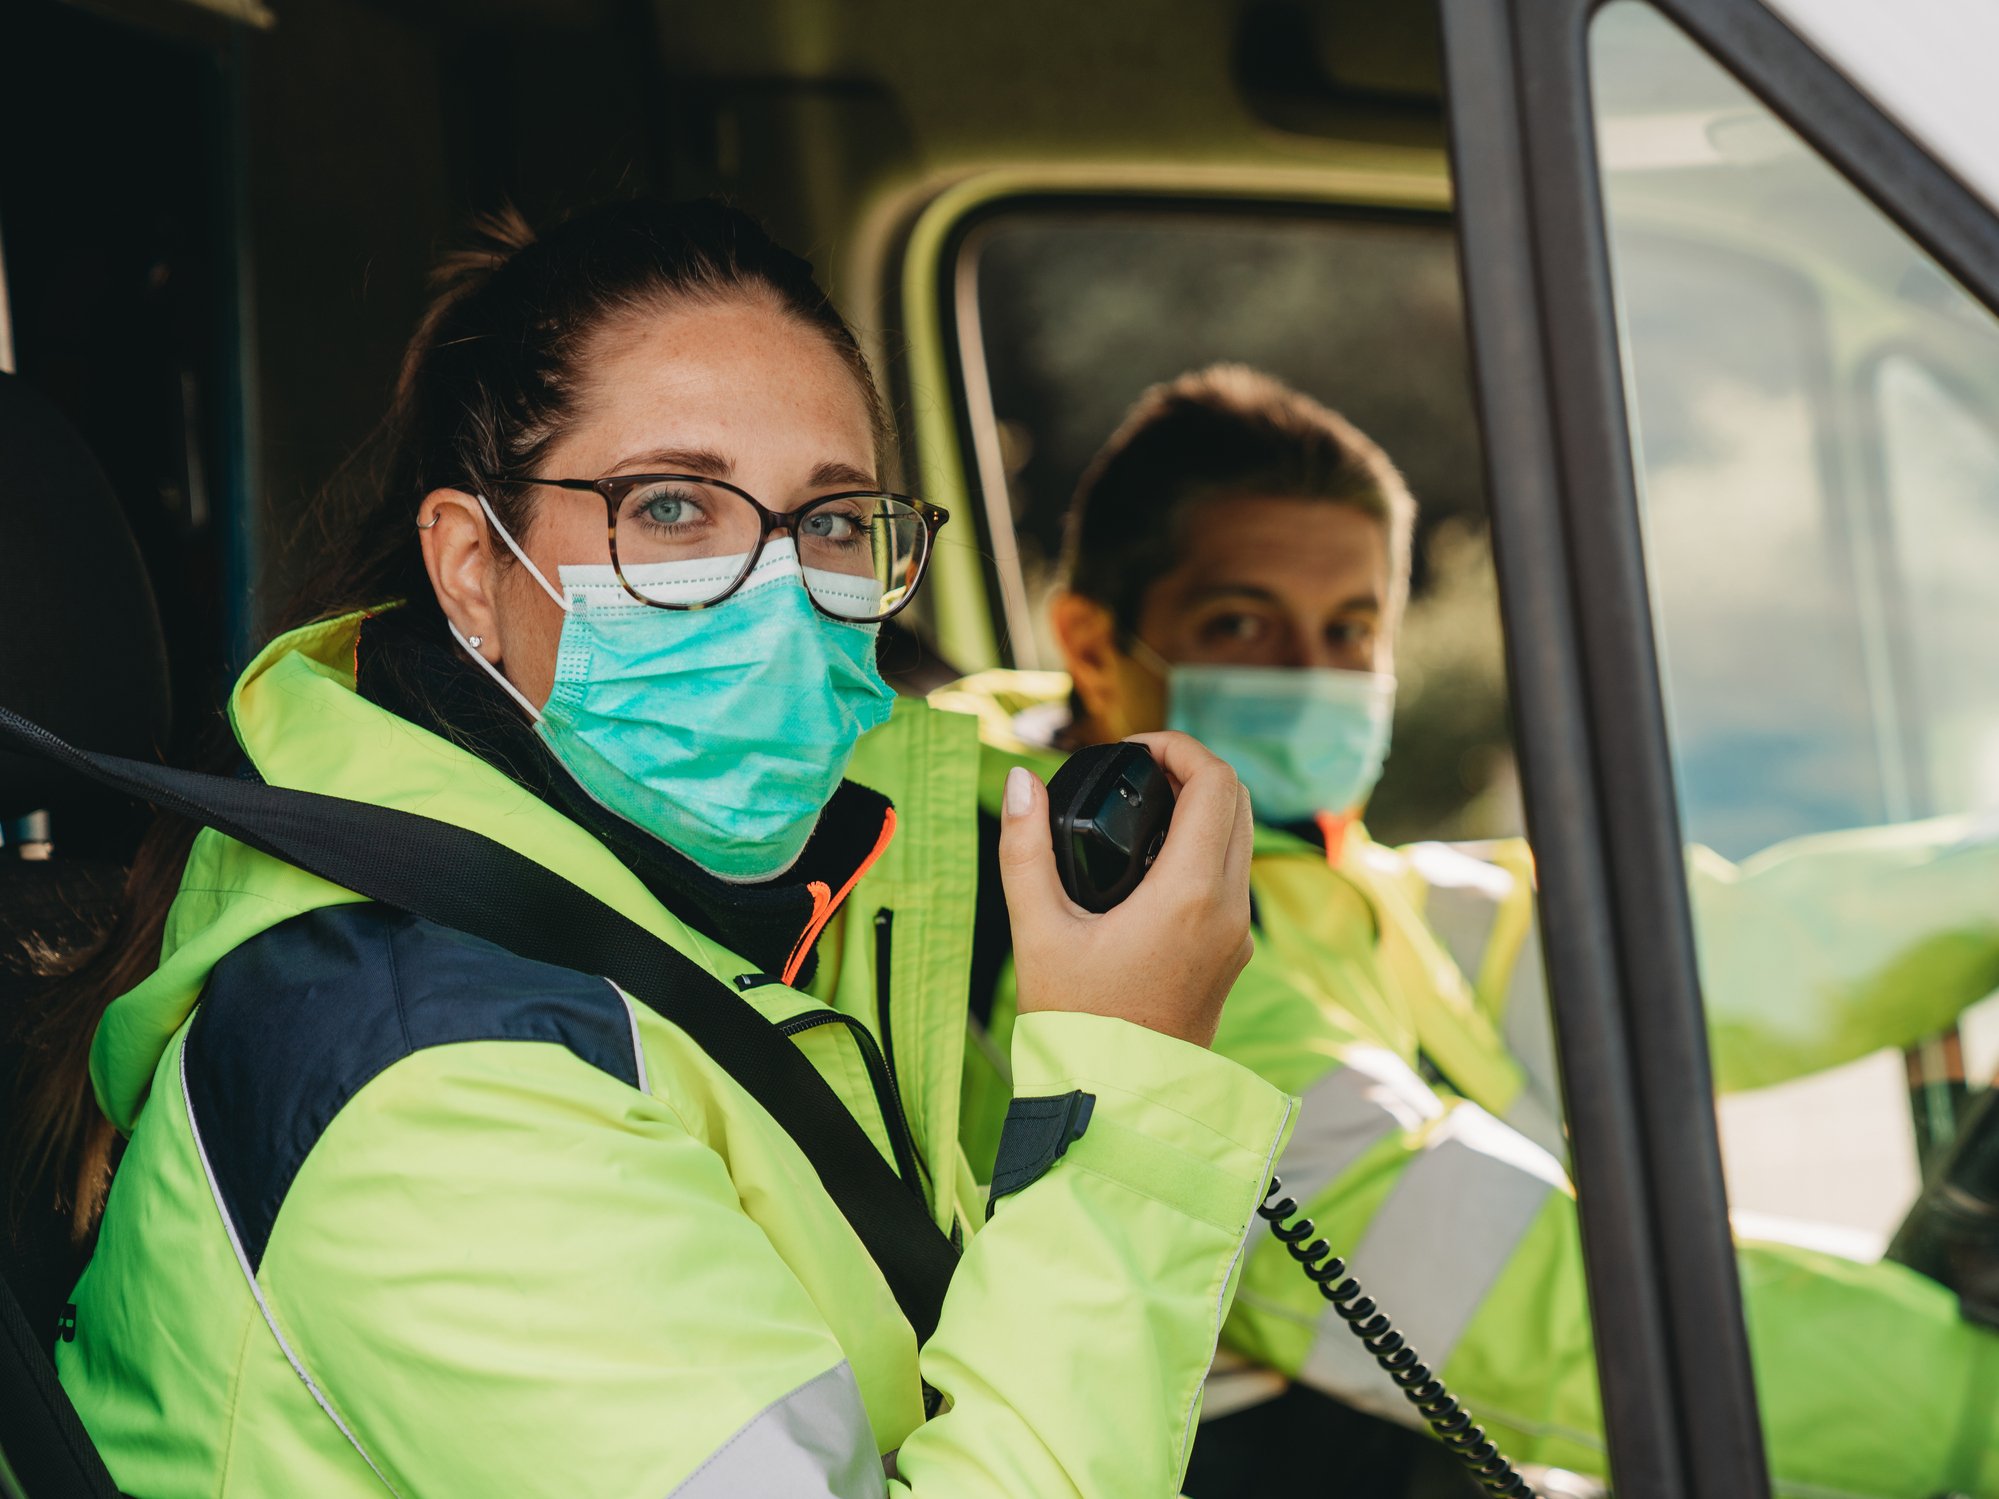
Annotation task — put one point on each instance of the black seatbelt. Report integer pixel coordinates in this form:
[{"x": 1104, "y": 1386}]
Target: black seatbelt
[
  {"x": 41, "y": 1437},
  {"x": 461, "y": 879}
]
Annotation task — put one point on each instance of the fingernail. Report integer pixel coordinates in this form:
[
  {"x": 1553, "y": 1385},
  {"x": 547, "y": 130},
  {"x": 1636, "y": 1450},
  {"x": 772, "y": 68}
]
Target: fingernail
[{"x": 1019, "y": 791}]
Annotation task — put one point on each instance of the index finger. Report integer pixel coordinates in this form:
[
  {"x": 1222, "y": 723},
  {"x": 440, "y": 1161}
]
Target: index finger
[
  {"x": 1181, "y": 756},
  {"x": 1204, "y": 812}
]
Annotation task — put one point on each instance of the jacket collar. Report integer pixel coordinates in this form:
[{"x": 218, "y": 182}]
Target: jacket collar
[
  {"x": 420, "y": 675},
  {"x": 301, "y": 723}
]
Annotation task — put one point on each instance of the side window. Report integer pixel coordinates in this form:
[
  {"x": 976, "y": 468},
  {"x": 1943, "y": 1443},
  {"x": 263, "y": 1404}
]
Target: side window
[
  {"x": 1940, "y": 466},
  {"x": 1067, "y": 312},
  {"x": 1819, "y": 500}
]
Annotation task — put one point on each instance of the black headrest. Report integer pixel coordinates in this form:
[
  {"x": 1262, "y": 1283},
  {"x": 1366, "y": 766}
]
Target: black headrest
[{"x": 81, "y": 651}]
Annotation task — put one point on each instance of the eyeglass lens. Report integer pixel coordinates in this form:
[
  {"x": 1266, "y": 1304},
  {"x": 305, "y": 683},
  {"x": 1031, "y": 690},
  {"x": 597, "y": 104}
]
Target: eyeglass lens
[{"x": 685, "y": 542}]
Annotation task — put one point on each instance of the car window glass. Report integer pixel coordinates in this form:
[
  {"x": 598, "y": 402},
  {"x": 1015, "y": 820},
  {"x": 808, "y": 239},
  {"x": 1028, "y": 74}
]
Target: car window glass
[
  {"x": 1819, "y": 511},
  {"x": 1940, "y": 455},
  {"x": 1941, "y": 461}
]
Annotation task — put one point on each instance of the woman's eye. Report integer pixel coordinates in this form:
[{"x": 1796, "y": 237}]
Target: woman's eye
[
  {"x": 667, "y": 507},
  {"x": 832, "y": 525},
  {"x": 1352, "y": 633}
]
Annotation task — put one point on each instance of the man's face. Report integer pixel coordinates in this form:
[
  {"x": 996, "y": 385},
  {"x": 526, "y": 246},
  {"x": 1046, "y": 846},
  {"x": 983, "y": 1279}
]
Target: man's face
[{"x": 1263, "y": 582}]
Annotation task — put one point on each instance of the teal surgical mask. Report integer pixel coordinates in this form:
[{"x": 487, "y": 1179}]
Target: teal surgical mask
[
  {"x": 722, "y": 731},
  {"x": 1304, "y": 740}
]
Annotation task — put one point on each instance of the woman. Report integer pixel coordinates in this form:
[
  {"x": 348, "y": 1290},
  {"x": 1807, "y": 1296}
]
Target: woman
[{"x": 402, "y": 1211}]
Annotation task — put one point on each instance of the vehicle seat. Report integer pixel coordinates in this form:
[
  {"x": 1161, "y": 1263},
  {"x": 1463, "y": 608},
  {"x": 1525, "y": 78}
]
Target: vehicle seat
[{"x": 81, "y": 653}]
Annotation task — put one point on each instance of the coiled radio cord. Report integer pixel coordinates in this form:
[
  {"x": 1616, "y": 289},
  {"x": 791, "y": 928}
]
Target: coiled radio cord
[{"x": 1451, "y": 1421}]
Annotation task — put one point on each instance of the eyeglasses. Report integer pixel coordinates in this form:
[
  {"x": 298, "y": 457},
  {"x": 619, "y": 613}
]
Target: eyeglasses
[{"x": 679, "y": 541}]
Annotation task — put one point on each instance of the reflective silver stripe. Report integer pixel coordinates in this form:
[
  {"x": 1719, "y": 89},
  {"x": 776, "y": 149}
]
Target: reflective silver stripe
[
  {"x": 1347, "y": 1112},
  {"x": 1529, "y": 1033},
  {"x": 638, "y": 1046},
  {"x": 1463, "y": 921},
  {"x": 815, "y": 1443},
  {"x": 1460, "y": 866},
  {"x": 257, "y": 1291},
  {"x": 1434, "y": 1250},
  {"x": 1464, "y": 901},
  {"x": 1528, "y": 1028},
  {"x": 1538, "y": 1122}
]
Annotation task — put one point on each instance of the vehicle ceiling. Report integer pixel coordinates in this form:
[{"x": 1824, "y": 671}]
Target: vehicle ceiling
[
  {"x": 829, "y": 107},
  {"x": 374, "y": 127}
]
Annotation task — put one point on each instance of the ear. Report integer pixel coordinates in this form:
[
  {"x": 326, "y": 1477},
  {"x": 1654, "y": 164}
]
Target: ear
[
  {"x": 458, "y": 555},
  {"x": 1087, "y": 633}
]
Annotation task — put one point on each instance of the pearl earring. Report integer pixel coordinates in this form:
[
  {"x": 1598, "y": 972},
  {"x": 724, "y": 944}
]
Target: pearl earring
[{"x": 475, "y": 641}]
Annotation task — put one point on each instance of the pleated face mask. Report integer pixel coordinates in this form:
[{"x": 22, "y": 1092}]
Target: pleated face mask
[
  {"x": 1303, "y": 740},
  {"x": 721, "y": 731}
]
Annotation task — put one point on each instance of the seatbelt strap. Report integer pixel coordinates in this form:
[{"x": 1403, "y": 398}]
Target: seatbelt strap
[
  {"x": 464, "y": 880},
  {"x": 41, "y": 1436}
]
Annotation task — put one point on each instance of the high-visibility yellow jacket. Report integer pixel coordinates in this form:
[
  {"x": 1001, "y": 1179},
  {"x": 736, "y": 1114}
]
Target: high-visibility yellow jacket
[
  {"x": 1429, "y": 1153},
  {"x": 404, "y": 1213}
]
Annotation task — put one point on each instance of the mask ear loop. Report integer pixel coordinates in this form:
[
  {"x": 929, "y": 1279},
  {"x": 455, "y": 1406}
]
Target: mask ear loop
[
  {"x": 494, "y": 672},
  {"x": 514, "y": 547},
  {"x": 1146, "y": 656},
  {"x": 560, "y": 602}
]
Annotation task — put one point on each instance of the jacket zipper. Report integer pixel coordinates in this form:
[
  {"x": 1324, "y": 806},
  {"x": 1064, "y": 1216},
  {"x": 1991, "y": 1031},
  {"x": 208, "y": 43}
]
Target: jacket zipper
[
  {"x": 908, "y": 1165},
  {"x": 884, "y": 947},
  {"x": 933, "y": 1399}
]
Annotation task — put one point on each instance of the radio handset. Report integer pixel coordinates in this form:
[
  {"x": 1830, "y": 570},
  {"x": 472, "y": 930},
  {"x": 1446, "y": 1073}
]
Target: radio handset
[{"x": 1108, "y": 811}]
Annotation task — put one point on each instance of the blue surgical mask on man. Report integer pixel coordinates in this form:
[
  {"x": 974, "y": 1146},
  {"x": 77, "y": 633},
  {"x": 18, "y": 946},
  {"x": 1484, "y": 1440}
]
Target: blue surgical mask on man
[
  {"x": 1304, "y": 740},
  {"x": 722, "y": 731}
]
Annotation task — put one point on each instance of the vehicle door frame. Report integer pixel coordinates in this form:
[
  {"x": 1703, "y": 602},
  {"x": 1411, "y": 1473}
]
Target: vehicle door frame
[{"x": 1679, "y": 1401}]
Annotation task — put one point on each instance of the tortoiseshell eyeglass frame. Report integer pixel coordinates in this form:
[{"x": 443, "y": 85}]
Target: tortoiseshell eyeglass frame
[{"x": 614, "y": 489}]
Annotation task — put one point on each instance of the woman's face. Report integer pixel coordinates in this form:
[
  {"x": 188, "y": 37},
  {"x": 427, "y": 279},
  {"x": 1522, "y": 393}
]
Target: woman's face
[{"x": 736, "y": 390}]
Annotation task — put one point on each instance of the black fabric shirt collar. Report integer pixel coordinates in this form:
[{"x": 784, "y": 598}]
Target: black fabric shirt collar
[{"x": 404, "y": 662}]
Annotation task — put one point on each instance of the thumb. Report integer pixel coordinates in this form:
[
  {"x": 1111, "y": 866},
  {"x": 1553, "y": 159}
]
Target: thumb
[{"x": 1034, "y": 893}]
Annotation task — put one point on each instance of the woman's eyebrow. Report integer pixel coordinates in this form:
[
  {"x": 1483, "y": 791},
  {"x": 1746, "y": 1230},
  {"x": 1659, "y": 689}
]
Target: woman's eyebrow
[
  {"x": 703, "y": 461},
  {"x": 841, "y": 475},
  {"x": 707, "y": 463}
]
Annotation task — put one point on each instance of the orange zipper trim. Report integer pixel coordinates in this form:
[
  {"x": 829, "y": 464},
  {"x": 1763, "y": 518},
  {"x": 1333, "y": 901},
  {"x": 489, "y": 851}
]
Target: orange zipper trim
[
  {"x": 1333, "y": 828},
  {"x": 825, "y": 902},
  {"x": 357, "y": 647}
]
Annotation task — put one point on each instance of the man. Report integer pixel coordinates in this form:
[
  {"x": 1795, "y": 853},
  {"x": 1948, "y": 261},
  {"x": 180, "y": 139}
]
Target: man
[{"x": 1238, "y": 560}]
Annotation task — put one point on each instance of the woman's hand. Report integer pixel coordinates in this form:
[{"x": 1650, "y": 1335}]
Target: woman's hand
[{"x": 1166, "y": 957}]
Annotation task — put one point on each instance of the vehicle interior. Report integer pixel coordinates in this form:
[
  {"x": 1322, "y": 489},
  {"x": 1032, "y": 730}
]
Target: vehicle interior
[{"x": 217, "y": 218}]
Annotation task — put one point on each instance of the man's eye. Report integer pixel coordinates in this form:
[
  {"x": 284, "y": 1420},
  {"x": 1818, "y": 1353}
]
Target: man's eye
[
  {"x": 1236, "y": 629},
  {"x": 1352, "y": 632}
]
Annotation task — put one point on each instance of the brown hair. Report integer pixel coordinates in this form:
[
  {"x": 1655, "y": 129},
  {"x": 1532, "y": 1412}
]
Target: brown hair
[
  {"x": 1227, "y": 430},
  {"x": 488, "y": 383}
]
